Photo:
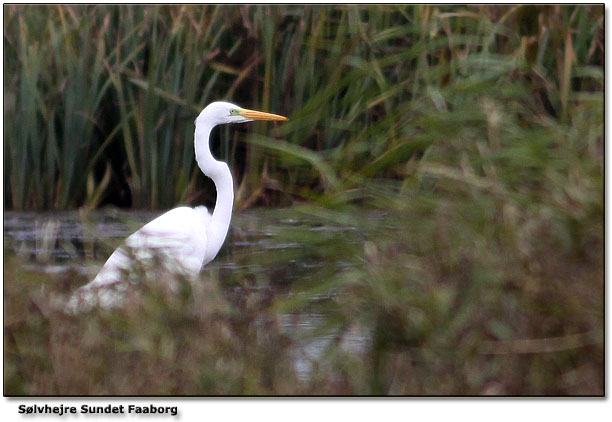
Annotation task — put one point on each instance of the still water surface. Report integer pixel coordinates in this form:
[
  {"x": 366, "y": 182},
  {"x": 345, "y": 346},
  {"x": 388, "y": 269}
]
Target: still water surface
[{"x": 282, "y": 245}]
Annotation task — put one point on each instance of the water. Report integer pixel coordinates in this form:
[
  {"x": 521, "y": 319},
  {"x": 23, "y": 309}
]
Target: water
[{"x": 272, "y": 248}]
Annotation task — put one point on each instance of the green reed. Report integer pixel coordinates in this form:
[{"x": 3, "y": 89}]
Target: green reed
[{"x": 362, "y": 85}]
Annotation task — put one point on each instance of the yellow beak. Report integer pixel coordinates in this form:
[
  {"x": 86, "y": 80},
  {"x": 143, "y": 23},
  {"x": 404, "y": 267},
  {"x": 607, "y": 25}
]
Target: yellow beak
[{"x": 260, "y": 115}]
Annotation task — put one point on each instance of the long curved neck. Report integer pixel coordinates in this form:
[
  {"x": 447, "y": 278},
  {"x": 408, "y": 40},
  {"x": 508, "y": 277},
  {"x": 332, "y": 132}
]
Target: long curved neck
[{"x": 220, "y": 174}]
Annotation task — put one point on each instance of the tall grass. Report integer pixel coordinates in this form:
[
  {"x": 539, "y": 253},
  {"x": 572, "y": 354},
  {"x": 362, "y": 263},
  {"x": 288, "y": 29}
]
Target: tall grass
[{"x": 367, "y": 88}]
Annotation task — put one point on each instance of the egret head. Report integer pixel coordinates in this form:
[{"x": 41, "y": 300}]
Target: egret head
[{"x": 221, "y": 112}]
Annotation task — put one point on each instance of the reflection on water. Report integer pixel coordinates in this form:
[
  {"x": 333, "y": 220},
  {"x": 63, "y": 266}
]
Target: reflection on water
[{"x": 281, "y": 246}]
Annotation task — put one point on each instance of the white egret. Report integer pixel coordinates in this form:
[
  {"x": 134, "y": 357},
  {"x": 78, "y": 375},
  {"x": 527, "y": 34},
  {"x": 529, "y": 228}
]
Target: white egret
[{"x": 184, "y": 238}]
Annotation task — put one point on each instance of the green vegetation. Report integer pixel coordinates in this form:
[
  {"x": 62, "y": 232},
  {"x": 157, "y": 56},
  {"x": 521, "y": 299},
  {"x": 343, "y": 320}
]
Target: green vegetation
[
  {"x": 476, "y": 131},
  {"x": 102, "y": 97}
]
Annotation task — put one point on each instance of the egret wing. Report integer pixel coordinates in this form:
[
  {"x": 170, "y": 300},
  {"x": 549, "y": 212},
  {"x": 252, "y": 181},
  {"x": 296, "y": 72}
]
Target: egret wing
[{"x": 177, "y": 237}]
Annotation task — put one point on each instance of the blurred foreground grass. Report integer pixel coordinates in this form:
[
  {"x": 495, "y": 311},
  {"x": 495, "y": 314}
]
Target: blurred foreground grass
[
  {"x": 435, "y": 299},
  {"x": 477, "y": 133}
]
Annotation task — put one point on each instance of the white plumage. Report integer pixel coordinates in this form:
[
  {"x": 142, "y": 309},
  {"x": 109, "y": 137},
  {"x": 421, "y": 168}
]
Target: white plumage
[{"x": 182, "y": 240}]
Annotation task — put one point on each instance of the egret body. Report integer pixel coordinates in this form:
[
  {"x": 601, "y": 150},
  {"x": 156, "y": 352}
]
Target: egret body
[{"x": 185, "y": 239}]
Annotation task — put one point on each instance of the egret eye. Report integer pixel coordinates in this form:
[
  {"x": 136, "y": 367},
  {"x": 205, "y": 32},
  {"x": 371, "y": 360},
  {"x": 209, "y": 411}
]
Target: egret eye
[{"x": 234, "y": 112}]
